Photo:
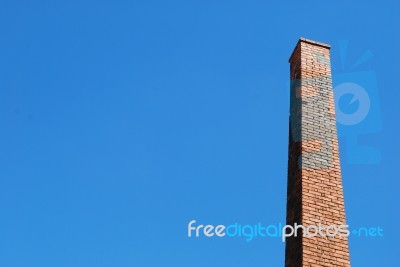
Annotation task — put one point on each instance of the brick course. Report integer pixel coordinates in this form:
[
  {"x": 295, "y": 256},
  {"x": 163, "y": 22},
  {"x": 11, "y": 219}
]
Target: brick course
[{"x": 314, "y": 193}]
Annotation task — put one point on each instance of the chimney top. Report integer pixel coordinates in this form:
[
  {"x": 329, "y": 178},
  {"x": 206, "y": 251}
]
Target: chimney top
[{"x": 309, "y": 41}]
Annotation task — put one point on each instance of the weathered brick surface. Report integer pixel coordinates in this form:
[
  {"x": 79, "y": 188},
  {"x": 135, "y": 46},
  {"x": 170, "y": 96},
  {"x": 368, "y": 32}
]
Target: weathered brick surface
[{"x": 315, "y": 193}]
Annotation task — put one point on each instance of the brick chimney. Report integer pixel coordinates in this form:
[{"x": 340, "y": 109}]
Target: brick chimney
[{"x": 314, "y": 192}]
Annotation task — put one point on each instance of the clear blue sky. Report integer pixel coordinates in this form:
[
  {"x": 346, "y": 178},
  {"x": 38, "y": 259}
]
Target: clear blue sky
[{"x": 123, "y": 120}]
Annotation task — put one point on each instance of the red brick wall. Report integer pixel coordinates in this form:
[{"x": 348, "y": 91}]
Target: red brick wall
[{"x": 315, "y": 193}]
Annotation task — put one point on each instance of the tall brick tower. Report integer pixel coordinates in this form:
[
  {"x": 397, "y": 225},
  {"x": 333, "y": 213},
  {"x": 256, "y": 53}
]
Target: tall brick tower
[{"x": 314, "y": 193}]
